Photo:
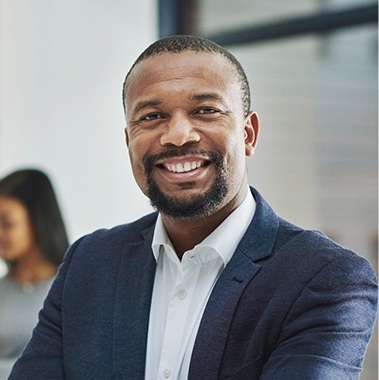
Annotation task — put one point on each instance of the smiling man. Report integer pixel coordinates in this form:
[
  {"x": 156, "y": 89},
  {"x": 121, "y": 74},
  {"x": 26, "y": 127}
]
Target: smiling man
[
  {"x": 188, "y": 135},
  {"x": 214, "y": 285}
]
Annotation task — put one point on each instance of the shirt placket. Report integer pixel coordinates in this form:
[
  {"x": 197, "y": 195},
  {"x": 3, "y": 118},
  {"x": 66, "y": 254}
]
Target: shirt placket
[{"x": 178, "y": 320}]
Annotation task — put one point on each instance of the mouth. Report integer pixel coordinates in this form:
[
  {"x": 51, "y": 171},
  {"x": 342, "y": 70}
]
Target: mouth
[
  {"x": 185, "y": 171},
  {"x": 183, "y": 165}
]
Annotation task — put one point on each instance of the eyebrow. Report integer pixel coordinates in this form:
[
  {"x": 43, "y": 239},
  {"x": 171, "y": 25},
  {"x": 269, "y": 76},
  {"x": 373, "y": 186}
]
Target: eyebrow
[
  {"x": 207, "y": 96},
  {"x": 146, "y": 104}
]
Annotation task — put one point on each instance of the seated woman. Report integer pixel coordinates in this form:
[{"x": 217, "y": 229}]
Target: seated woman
[{"x": 33, "y": 240}]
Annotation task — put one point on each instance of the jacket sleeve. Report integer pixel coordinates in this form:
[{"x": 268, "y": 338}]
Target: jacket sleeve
[
  {"x": 43, "y": 356},
  {"x": 326, "y": 332}
]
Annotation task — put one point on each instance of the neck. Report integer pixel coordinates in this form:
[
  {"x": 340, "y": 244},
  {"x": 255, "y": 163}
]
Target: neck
[
  {"x": 184, "y": 234},
  {"x": 32, "y": 269}
]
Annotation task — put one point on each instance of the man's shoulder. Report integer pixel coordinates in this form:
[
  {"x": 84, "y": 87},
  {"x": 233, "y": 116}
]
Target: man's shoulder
[
  {"x": 105, "y": 247},
  {"x": 128, "y": 232},
  {"x": 313, "y": 246},
  {"x": 307, "y": 240},
  {"x": 134, "y": 230}
]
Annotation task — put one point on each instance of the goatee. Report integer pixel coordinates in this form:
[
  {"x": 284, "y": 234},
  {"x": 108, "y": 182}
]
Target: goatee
[{"x": 197, "y": 207}]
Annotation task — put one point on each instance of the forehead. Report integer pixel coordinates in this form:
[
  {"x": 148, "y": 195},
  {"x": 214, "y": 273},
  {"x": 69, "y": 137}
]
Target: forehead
[
  {"x": 11, "y": 206},
  {"x": 164, "y": 67}
]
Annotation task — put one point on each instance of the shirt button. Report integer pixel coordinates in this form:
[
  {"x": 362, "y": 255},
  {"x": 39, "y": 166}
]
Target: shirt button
[
  {"x": 166, "y": 373},
  {"x": 182, "y": 294}
]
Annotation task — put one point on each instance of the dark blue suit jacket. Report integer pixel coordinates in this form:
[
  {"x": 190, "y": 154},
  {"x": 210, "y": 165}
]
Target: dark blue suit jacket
[{"x": 291, "y": 304}]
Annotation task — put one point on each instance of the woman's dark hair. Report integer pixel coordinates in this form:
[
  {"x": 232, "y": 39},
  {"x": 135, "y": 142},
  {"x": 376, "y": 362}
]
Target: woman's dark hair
[{"x": 34, "y": 190}]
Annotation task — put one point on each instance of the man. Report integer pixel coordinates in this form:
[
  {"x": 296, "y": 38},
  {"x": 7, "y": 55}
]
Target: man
[{"x": 215, "y": 285}]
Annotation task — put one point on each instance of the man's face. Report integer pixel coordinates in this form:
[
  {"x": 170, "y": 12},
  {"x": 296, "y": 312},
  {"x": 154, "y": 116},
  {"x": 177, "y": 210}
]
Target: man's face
[{"x": 186, "y": 132}]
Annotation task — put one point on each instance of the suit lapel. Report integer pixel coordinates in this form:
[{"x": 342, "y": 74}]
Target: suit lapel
[
  {"x": 213, "y": 331},
  {"x": 132, "y": 317},
  {"x": 214, "y": 327}
]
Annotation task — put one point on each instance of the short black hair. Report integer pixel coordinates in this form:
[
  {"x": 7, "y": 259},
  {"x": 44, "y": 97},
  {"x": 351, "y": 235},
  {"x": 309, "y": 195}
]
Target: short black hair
[
  {"x": 181, "y": 43},
  {"x": 33, "y": 189}
]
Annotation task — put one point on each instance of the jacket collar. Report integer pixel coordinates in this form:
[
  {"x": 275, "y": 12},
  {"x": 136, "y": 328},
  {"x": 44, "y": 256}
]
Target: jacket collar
[{"x": 260, "y": 236}]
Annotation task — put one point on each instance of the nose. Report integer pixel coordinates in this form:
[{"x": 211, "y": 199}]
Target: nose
[{"x": 179, "y": 131}]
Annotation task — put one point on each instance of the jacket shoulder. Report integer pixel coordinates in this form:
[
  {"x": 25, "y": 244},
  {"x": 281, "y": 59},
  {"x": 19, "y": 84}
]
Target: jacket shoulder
[
  {"x": 124, "y": 233},
  {"x": 313, "y": 247}
]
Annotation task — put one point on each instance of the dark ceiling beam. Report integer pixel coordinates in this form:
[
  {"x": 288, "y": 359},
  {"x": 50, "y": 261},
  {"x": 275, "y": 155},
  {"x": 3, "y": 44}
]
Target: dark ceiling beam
[{"x": 322, "y": 22}]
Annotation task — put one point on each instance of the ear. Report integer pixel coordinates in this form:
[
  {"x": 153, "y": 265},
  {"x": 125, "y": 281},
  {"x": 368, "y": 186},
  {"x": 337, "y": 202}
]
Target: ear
[
  {"x": 126, "y": 136},
  {"x": 251, "y": 133}
]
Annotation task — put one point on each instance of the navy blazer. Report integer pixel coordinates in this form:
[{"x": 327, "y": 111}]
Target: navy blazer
[{"x": 291, "y": 304}]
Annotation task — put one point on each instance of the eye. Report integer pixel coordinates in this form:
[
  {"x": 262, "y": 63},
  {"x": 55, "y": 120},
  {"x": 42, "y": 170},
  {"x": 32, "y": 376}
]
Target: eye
[
  {"x": 151, "y": 117},
  {"x": 207, "y": 111},
  {"x": 6, "y": 225}
]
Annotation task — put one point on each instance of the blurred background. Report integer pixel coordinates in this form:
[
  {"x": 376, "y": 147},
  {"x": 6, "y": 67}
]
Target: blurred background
[{"x": 313, "y": 72}]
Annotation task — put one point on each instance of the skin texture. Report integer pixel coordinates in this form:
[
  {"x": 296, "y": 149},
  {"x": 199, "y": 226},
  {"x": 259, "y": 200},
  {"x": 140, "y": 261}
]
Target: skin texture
[
  {"x": 18, "y": 245},
  {"x": 183, "y": 110}
]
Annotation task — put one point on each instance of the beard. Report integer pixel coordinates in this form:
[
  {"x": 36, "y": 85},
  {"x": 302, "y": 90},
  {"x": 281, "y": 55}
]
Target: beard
[{"x": 197, "y": 207}]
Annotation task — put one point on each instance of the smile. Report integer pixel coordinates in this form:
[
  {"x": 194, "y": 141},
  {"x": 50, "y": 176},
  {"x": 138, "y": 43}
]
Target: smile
[
  {"x": 183, "y": 167},
  {"x": 183, "y": 164}
]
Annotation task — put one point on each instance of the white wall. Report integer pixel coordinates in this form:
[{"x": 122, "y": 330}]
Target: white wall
[{"x": 62, "y": 65}]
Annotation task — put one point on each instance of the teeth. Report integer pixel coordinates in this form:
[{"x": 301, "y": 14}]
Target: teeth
[{"x": 186, "y": 167}]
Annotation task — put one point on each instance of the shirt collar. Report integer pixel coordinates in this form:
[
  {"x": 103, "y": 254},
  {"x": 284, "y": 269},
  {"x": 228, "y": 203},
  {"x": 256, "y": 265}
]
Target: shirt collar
[{"x": 224, "y": 239}]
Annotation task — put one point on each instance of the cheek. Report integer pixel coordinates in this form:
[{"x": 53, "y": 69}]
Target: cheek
[
  {"x": 24, "y": 235},
  {"x": 236, "y": 159},
  {"x": 19, "y": 241},
  {"x": 140, "y": 143},
  {"x": 235, "y": 148},
  {"x": 137, "y": 151}
]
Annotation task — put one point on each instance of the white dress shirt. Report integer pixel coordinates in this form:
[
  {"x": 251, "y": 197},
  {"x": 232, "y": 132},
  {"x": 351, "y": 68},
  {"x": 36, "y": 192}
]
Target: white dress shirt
[{"x": 181, "y": 290}]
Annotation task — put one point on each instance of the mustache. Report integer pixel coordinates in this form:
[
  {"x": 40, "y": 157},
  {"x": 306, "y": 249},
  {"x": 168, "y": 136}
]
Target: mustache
[{"x": 149, "y": 161}]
